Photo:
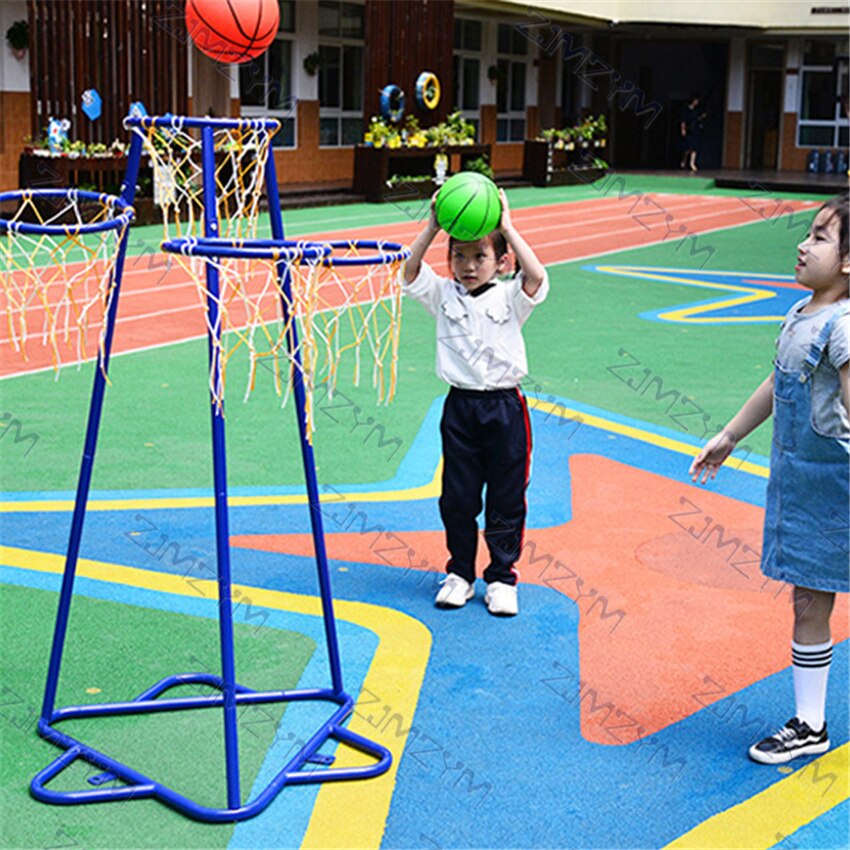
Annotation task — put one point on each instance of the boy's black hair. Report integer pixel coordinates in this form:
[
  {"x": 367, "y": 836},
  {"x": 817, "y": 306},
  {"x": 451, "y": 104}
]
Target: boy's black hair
[
  {"x": 839, "y": 206},
  {"x": 496, "y": 239}
]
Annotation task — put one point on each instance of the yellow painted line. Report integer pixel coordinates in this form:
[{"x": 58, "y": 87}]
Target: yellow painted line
[
  {"x": 766, "y": 818},
  {"x": 765, "y": 275},
  {"x": 629, "y": 271},
  {"x": 394, "y": 680},
  {"x": 693, "y": 314},
  {"x": 640, "y": 434},
  {"x": 431, "y": 490}
]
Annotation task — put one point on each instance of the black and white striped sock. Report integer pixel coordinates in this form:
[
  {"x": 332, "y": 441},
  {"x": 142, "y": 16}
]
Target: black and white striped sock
[{"x": 811, "y": 671}]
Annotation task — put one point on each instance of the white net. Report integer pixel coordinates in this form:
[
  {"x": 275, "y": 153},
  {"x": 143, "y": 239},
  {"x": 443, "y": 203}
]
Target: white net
[
  {"x": 240, "y": 151},
  {"x": 327, "y": 321},
  {"x": 57, "y": 256},
  {"x": 343, "y": 312}
]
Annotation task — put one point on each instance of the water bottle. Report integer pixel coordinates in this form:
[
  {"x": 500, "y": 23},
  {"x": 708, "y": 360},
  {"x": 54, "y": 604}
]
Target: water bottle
[
  {"x": 841, "y": 162},
  {"x": 813, "y": 162},
  {"x": 826, "y": 163}
]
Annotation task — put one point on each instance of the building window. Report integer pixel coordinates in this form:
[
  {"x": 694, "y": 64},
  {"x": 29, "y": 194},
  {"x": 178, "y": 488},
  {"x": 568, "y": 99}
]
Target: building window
[
  {"x": 341, "y": 34},
  {"x": 510, "y": 84},
  {"x": 467, "y": 69},
  {"x": 265, "y": 83},
  {"x": 823, "y": 81}
]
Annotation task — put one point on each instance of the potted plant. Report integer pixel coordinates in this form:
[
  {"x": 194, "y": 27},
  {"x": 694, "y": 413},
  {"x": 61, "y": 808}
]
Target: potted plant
[
  {"x": 480, "y": 165},
  {"x": 18, "y": 38},
  {"x": 495, "y": 74},
  {"x": 311, "y": 63}
]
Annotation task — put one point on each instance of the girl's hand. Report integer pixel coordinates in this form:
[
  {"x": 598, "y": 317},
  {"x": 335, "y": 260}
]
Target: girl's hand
[
  {"x": 712, "y": 455},
  {"x": 505, "y": 223}
]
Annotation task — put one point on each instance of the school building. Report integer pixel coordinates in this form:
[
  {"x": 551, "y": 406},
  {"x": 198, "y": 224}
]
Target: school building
[{"x": 773, "y": 75}]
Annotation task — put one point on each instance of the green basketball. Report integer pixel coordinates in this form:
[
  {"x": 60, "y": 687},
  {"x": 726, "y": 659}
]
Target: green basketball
[{"x": 468, "y": 206}]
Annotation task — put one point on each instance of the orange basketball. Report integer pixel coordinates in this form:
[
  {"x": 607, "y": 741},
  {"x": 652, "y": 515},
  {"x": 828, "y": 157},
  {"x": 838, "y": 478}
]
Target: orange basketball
[{"x": 232, "y": 30}]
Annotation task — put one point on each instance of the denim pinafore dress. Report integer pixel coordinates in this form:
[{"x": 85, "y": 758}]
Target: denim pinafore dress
[{"x": 808, "y": 492}]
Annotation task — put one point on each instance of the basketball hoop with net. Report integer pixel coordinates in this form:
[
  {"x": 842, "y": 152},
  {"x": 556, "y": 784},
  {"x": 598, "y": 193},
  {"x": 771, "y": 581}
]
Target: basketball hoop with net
[{"x": 314, "y": 312}]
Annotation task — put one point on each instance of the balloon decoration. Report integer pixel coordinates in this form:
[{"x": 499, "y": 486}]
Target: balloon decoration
[
  {"x": 57, "y": 133},
  {"x": 92, "y": 104},
  {"x": 428, "y": 90},
  {"x": 392, "y": 103}
]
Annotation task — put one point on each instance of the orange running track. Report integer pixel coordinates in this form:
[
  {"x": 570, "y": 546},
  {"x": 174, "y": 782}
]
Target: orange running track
[{"x": 160, "y": 304}]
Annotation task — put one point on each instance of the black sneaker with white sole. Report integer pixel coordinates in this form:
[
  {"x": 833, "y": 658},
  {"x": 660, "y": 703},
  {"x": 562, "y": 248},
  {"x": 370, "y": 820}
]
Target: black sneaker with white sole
[{"x": 795, "y": 738}]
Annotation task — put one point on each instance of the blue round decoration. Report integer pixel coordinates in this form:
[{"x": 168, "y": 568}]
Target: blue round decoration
[
  {"x": 92, "y": 104},
  {"x": 392, "y": 102}
]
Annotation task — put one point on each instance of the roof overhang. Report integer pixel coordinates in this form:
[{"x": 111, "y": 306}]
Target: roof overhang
[{"x": 797, "y": 16}]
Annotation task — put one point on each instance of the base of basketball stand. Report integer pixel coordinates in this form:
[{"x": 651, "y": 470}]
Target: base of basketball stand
[{"x": 138, "y": 786}]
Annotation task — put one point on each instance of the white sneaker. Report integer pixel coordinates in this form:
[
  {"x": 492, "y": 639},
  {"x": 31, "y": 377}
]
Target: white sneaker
[
  {"x": 454, "y": 592},
  {"x": 501, "y": 599}
]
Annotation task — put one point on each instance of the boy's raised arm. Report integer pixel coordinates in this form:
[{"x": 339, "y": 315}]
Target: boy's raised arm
[
  {"x": 532, "y": 269},
  {"x": 421, "y": 244}
]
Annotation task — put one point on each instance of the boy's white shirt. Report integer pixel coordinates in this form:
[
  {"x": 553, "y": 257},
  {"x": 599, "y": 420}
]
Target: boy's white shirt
[{"x": 479, "y": 337}]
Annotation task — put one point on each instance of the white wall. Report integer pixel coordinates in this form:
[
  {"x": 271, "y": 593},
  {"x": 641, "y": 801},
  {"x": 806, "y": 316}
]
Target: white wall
[
  {"x": 735, "y": 80},
  {"x": 793, "y": 60},
  {"x": 486, "y": 87},
  {"x": 14, "y": 73}
]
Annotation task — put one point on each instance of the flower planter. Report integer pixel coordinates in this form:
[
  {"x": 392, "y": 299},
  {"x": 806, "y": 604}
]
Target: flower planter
[
  {"x": 547, "y": 164},
  {"x": 39, "y": 171},
  {"x": 373, "y": 168},
  {"x": 409, "y": 190},
  {"x": 42, "y": 171}
]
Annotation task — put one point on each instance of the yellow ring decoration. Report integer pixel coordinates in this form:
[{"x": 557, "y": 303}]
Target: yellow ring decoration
[{"x": 428, "y": 89}]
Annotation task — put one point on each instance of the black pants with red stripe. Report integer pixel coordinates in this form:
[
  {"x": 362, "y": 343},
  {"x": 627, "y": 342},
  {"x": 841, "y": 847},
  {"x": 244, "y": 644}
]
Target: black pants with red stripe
[{"x": 486, "y": 442}]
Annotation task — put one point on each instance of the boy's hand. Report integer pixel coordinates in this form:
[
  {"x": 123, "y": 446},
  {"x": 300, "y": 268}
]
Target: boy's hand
[
  {"x": 712, "y": 455},
  {"x": 432, "y": 215},
  {"x": 421, "y": 244},
  {"x": 505, "y": 223}
]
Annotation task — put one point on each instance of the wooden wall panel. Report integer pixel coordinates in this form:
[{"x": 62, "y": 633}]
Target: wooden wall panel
[
  {"x": 128, "y": 50},
  {"x": 404, "y": 38}
]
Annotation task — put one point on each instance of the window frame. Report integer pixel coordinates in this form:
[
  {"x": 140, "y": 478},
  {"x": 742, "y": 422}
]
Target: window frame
[
  {"x": 339, "y": 114},
  {"x": 838, "y": 121},
  {"x": 512, "y": 58},
  {"x": 289, "y": 111},
  {"x": 463, "y": 53}
]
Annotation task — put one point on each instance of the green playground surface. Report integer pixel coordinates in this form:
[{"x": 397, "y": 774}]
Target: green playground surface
[
  {"x": 113, "y": 653},
  {"x": 155, "y": 436},
  {"x": 155, "y": 430}
]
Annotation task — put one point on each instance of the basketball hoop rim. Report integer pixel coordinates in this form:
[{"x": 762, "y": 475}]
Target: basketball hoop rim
[
  {"x": 246, "y": 249},
  {"x": 178, "y": 122},
  {"x": 285, "y": 249},
  {"x": 389, "y": 252},
  {"x": 126, "y": 213}
]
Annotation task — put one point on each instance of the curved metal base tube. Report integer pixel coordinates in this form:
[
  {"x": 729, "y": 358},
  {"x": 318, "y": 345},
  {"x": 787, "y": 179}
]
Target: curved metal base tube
[{"x": 138, "y": 786}]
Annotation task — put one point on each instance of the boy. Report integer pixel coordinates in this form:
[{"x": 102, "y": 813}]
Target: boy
[{"x": 485, "y": 428}]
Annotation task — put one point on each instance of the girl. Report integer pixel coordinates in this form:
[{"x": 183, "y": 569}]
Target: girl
[{"x": 807, "y": 493}]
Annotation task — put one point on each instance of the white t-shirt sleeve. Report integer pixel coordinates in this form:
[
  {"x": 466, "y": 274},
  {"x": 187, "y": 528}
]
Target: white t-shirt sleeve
[
  {"x": 426, "y": 288},
  {"x": 524, "y": 303},
  {"x": 838, "y": 348}
]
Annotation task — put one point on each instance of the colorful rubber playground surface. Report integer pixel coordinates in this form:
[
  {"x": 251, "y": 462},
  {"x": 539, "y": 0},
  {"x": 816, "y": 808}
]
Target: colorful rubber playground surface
[{"x": 615, "y": 711}]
